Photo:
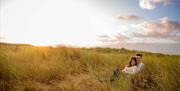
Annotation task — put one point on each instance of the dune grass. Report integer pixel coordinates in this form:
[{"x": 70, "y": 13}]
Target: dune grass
[{"x": 33, "y": 68}]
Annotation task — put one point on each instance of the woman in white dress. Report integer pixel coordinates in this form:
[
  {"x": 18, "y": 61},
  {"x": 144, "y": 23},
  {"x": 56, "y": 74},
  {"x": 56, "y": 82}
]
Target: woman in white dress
[{"x": 132, "y": 66}]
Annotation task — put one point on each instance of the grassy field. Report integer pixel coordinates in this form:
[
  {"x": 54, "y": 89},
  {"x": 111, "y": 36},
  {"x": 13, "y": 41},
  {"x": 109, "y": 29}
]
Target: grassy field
[{"x": 32, "y": 68}]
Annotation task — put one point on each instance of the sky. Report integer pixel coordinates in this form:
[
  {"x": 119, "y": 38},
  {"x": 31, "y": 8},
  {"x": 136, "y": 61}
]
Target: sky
[{"x": 88, "y": 23}]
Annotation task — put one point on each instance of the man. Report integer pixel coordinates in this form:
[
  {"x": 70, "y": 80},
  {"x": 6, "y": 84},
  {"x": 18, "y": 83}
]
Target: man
[
  {"x": 140, "y": 64},
  {"x": 138, "y": 57}
]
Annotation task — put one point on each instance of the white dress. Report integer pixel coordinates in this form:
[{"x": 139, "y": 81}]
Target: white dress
[{"x": 133, "y": 69}]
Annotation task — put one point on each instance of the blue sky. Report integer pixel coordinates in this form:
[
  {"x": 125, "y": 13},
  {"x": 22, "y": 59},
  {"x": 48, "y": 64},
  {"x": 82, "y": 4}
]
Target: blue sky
[{"x": 132, "y": 7}]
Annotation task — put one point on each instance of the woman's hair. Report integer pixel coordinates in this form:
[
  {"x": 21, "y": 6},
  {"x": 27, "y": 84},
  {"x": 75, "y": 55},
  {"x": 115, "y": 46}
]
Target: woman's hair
[{"x": 130, "y": 61}]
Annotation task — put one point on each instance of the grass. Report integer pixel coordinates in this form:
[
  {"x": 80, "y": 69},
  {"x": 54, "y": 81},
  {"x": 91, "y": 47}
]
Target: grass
[{"x": 32, "y": 68}]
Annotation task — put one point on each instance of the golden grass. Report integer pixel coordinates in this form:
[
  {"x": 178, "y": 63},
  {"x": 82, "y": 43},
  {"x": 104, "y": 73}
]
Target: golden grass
[{"x": 31, "y": 68}]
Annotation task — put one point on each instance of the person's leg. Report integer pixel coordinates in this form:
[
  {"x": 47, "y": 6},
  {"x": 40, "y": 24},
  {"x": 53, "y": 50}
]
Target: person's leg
[{"x": 116, "y": 75}]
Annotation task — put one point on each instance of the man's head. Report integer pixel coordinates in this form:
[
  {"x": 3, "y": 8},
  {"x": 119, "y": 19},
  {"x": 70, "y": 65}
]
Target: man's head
[{"x": 138, "y": 56}]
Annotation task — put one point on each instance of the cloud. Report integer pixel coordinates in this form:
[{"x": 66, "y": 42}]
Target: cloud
[
  {"x": 118, "y": 38},
  {"x": 167, "y": 29},
  {"x": 103, "y": 36},
  {"x": 129, "y": 17},
  {"x": 151, "y": 4}
]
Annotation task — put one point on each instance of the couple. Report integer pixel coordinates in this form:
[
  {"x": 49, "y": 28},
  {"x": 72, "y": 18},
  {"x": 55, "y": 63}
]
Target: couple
[{"x": 134, "y": 66}]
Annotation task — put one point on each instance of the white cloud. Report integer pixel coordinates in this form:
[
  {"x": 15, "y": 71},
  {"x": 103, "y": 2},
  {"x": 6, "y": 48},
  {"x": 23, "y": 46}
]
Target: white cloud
[
  {"x": 118, "y": 38},
  {"x": 166, "y": 29},
  {"x": 151, "y": 4},
  {"x": 129, "y": 17}
]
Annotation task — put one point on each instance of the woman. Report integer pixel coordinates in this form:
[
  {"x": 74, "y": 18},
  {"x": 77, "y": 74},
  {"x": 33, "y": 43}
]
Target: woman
[{"x": 132, "y": 66}]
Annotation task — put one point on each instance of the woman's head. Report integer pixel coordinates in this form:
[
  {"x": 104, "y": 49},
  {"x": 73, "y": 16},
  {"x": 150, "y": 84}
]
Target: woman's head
[{"x": 132, "y": 61}]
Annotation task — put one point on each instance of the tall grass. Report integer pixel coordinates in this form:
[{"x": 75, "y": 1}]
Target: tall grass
[{"x": 31, "y": 68}]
